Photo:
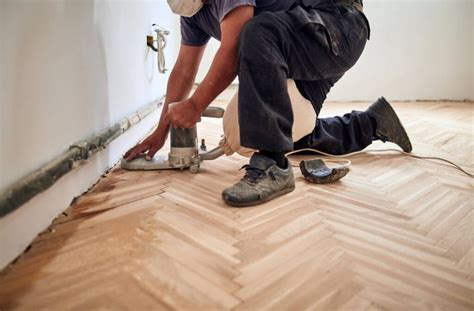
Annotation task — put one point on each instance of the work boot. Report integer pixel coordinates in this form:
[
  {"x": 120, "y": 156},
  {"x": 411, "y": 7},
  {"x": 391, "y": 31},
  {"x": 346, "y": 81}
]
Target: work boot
[
  {"x": 389, "y": 127},
  {"x": 263, "y": 181}
]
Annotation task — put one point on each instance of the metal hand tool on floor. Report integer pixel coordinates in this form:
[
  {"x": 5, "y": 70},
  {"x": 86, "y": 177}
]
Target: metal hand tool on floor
[{"x": 184, "y": 152}]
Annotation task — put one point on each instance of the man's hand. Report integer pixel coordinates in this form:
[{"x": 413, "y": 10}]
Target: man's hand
[
  {"x": 179, "y": 85},
  {"x": 183, "y": 114},
  {"x": 152, "y": 144}
]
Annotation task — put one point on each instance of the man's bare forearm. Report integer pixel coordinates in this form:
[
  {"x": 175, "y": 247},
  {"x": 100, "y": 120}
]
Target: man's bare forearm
[
  {"x": 224, "y": 66},
  {"x": 178, "y": 89}
]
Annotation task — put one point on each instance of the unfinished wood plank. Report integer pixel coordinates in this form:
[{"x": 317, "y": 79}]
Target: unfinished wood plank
[{"x": 395, "y": 234}]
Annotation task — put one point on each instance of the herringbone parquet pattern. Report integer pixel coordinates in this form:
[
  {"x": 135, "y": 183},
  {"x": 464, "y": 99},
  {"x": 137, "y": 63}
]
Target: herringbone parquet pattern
[{"x": 396, "y": 233}]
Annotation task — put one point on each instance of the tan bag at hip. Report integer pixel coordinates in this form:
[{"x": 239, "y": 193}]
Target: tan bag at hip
[{"x": 304, "y": 121}]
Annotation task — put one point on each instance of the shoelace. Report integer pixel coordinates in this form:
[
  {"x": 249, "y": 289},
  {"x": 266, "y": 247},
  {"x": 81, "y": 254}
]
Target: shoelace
[
  {"x": 382, "y": 138},
  {"x": 253, "y": 174}
]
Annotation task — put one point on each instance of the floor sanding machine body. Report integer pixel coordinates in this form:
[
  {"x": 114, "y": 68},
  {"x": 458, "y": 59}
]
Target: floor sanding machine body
[{"x": 184, "y": 152}]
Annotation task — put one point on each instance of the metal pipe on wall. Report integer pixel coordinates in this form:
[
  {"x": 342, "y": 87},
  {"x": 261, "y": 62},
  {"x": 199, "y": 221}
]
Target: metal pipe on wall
[{"x": 28, "y": 187}]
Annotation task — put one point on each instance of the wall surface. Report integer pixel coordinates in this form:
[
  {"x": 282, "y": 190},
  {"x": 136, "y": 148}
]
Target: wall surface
[
  {"x": 70, "y": 69},
  {"x": 419, "y": 49}
]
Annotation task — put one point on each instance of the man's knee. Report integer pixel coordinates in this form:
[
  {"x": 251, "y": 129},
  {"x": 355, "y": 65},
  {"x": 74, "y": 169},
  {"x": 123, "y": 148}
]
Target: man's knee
[
  {"x": 255, "y": 38},
  {"x": 304, "y": 119},
  {"x": 255, "y": 28}
]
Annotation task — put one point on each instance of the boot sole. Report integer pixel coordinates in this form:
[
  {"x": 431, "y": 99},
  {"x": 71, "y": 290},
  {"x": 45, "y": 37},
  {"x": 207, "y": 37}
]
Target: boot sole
[{"x": 271, "y": 197}]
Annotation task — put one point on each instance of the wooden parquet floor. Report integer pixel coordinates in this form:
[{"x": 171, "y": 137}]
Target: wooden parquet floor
[{"x": 396, "y": 233}]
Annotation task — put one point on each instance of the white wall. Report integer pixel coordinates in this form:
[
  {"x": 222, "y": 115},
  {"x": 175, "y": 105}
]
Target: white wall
[
  {"x": 419, "y": 49},
  {"x": 69, "y": 69}
]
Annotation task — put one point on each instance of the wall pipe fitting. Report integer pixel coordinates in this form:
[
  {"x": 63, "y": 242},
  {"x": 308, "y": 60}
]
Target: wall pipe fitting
[
  {"x": 42, "y": 179},
  {"x": 161, "y": 34}
]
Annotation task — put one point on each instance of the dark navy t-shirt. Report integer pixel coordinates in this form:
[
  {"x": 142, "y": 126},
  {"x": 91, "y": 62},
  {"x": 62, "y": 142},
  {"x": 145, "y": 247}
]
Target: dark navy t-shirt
[{"x": 198, "y": 29}]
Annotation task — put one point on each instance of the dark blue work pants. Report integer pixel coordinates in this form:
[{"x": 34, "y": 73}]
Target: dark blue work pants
[{"x": 314, "y": 46}]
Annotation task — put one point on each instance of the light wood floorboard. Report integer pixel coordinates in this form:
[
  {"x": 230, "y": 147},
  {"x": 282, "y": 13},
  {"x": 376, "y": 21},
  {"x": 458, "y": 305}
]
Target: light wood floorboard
[{"x": 396, "y": 233}]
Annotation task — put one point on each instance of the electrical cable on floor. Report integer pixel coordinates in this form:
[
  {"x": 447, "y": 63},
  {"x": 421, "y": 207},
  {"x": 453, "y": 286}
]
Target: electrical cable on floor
[{"x": 348, "y": 162}]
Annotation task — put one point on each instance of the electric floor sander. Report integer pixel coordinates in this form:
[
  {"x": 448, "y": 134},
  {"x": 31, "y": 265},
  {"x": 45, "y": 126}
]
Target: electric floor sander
[{"x": 184, "y": 152}]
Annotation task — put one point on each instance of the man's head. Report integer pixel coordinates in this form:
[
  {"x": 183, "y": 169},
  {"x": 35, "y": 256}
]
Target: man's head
[{"x": 185, "y": 8}]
